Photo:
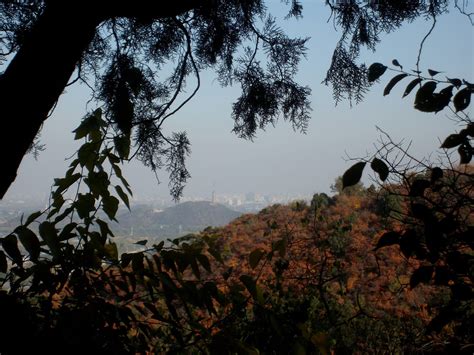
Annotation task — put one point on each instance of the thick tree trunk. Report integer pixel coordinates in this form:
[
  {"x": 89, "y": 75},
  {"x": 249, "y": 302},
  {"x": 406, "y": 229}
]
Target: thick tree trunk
[
  {"x": 40, "y": 70},
  {"x": 35, "y": 79}
]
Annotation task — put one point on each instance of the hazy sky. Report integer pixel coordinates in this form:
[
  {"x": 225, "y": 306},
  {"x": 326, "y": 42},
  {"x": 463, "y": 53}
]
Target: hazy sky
[{"x": 281, "y": 161}]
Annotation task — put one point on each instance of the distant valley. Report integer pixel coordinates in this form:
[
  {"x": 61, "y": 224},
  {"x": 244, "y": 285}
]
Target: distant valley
[{"x": 188, "y": 217}]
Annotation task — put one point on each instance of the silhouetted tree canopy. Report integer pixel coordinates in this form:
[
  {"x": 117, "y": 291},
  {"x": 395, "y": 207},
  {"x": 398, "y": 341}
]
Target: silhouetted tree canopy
[{"x": 121, "y": 50}]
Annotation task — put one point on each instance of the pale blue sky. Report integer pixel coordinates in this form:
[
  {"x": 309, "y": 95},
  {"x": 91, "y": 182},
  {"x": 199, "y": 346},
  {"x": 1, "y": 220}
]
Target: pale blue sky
[{"x": 281, "y": 161}]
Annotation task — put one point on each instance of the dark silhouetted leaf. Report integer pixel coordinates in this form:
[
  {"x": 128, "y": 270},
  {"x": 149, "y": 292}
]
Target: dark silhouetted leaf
[
  {"x": 10, "y": 245},
  {"x": 110, "y": 206},
  {"x": 411, "y": 86},
  {"x": 424, "y": 99},
  {"x": 49, "y": 234},
  {"x": 254, "y": 257},
  {"x": 380, "y": 168},
  {"x": 421, "y": 275},
  {"x": 122, "y": 145},
  {"x": 433, "y": 72},
  {"x": 30, "y": 241},
  {"x": 32, "y": 217},
  {"x": 443, "y": 275},
  {"x": 436, "y": 174},
  {"x": 376, "y": 70},
  {"x": 397, "y": 64},
  {"x": 418, "y": 187},
  {"x": 393, "y": 82},
  {"x": 3, "y": 262},
  {"x": 462, "y": 292},
  {"x": 444, "y": 317},
  {"x": 387, "y": 239},
  {"x": 123, "y": 196},
  {"x": 84, "y": 204},
  {"x": 353, "y": 174},
  {"x": 420, "y": 211},
  {"x": 204, "y": 261},
  {"x": 465, "y": 153},
  {"x": 142, "y": 242},
  {"x": 453, "y": 140},
  {"x": 462, "y": 99},
  {"x": 456, "y": 82}
]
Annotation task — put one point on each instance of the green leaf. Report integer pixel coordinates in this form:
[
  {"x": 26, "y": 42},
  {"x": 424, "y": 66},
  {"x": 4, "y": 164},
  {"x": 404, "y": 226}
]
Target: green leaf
[
  {"x": 376, "y": 70},
  {"x": 111, "y": 251},
  {"x": 251, "y": 285},
  {"x": 10, "y": 245},
  {"x": 30, "y": 241},
  {"x": 387, "y": 239},
  {"x": 421, "y": 275},
  {"x": 353, "y": 174},
  {"x": 453, "y": 140},
  {"x": 123, "y": 196},
  {"x": 110, "y": 206},
  {"x": 380, "y": 168},
  {"x": 462, "y": 99},
  {"x": 411, "y": 86},
  {"x": 393, "y": 82},
  {"x": 122, "y": 146},
  {"x": 255, "y": 257},
  {"x": 3, "y": 262}
]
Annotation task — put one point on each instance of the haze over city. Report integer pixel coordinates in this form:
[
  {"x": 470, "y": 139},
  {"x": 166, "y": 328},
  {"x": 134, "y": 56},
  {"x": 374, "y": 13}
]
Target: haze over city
[{"x": 279, "y": 161}]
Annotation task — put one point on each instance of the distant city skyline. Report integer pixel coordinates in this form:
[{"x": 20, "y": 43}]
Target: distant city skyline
[{"x": 279, "y": 161}]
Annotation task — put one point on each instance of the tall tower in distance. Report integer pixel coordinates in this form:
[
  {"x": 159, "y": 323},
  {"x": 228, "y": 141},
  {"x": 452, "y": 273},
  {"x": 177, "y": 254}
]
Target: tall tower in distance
[{"x": 213, "y": 198}]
